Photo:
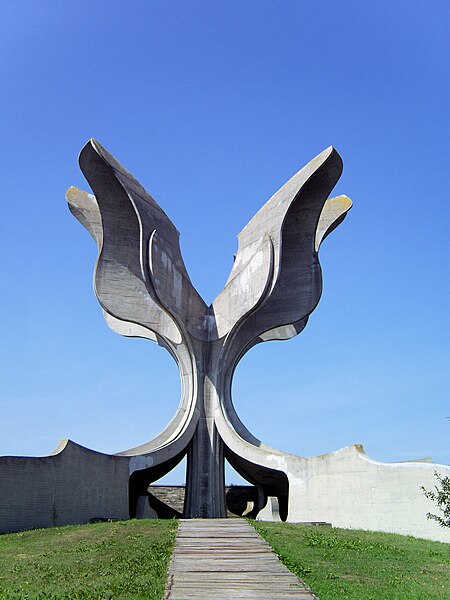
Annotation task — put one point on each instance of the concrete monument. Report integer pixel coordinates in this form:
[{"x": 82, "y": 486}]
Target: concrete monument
[{"x": 144, "y": 290}]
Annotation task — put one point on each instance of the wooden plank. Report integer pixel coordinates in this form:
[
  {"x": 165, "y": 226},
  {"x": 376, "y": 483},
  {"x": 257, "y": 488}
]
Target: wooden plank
[{"x": 223, "y": 559}]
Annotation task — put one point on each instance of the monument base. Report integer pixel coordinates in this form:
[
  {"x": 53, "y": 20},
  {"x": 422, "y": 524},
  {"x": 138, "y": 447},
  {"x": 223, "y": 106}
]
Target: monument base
[{"x": 346, "y": 488}]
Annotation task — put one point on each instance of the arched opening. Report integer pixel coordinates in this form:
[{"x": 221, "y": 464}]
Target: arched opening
[
  {"x": 143, "y": 502},
  {"x": 153, "y": 493},
  {"x": 267, "y": 483}
]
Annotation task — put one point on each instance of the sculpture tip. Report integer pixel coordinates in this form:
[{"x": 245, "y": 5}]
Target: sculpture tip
[
  {"x": 95, "y": 144},
  {"x": 92, "y": 145},
  {"x": 326, "y": 154},
  {"x": 70, "y": 193},
  {"x": 331, "y": 149}
]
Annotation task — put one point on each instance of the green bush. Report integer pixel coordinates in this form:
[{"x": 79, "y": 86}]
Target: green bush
[{"x": 442, "y": 498}]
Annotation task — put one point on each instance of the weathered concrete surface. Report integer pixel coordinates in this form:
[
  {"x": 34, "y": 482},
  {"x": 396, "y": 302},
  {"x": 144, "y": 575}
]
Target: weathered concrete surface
[
  {"x": 70, "y": 486},
  {"x": 351, "y": 490},
  {"x": 144, "y": 289},
  {"x": 226, "y": 559}
]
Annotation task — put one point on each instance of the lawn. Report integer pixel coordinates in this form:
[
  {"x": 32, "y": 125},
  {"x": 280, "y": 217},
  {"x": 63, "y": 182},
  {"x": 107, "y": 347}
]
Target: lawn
[
  {"x": 128, "y": 560},
  {"x": 122, "y": 560},
  {"x": 361, "y": 565}
]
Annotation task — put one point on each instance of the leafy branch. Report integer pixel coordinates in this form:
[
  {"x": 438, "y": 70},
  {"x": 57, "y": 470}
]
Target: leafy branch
[{"x": 442, "y": 498}]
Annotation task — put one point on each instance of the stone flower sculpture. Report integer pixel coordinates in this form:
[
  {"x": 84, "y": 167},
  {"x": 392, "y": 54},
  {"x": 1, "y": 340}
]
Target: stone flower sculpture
[{"x": 144, "y": 290}]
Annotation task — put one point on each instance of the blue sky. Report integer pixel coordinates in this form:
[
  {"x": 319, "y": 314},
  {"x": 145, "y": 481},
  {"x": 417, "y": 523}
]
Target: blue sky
[{"x": 213, "y": 106}]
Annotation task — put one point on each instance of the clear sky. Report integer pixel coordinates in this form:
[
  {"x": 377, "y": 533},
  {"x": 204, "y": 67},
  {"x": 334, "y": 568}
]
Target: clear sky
[{"x": 213, "y": 106}]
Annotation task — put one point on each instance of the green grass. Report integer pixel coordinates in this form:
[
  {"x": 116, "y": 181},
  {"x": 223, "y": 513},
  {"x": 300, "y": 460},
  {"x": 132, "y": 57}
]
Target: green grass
[
  {"x": 128, "y": 560},
  {"x": 361, "y": 565},
  {"x": 122, "y": 560}
]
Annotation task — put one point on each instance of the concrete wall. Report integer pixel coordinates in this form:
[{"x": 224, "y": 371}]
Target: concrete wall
[
  {"x": 345, "y": 488},
  {"x": 350, "y": 490},
  {"x": 71, "y": 486}
]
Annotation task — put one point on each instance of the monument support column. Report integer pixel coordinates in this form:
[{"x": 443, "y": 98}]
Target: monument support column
[{"x": 205, "y": 478}]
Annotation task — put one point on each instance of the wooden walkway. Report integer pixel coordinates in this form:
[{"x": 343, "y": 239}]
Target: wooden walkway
[{"x": 224, "y": 559}]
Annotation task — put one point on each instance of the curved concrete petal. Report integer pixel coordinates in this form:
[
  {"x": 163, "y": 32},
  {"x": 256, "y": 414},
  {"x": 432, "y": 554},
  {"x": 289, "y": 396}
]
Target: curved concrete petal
[
  {"x": 121, "y": 284},
  {"x": 177, "y": 435},
  {"x": 333, "y": 213},
  {"x": 128, "y": 329},
  {"x": 245, "y": 290},
  {"x": 173, "y": 287},
  {"x": 179, "y": 296},
  {"x": 84, "y": 207},
  {"x": 290, "y": 218}
]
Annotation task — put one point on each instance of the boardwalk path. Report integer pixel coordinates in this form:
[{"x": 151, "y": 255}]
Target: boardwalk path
[{"x": 220, "y": 559}]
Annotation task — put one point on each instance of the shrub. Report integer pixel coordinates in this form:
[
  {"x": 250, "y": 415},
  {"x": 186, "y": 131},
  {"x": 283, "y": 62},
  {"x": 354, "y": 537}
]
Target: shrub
[{"x": 442, "y": 498}]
